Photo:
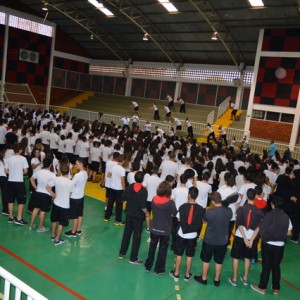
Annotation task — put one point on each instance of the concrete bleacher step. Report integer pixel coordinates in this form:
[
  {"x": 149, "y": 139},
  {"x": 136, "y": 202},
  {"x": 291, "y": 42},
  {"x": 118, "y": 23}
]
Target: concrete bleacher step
[
  {"x": 120, "y": 105},
  {"x": 78, "y": 99}
]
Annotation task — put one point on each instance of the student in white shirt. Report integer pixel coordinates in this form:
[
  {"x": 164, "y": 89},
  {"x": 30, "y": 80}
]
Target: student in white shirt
[
  {"x": 179, "y": 196},
  {"x": 178, "y": 124},
  {"x": 70, "y": 145},
  {"x": 135, "y": 107},
  {"x": 156, "y": 112},
  {"x": 117, "y": 176},
  {"x": 95, "y": 161},
  {"x": 54, "y": 139},
  {"x": 151, "y": 183},
  {"x": 169, "y": 167},
  {"x": 45, "y": 136},
  {"x": 135, "y": 166},
  {"x": 16, "y": 166},
  {"x": 107, "y": 179},
  {"x": 61, "y": 146},
  {"x": 226, "y": 190},
  {"x": 182, "y": 105},
  {"x": 170, "y": 102},
  {"x": 168, "y": 113},
  {"x": 248, "y": 178},
  {"x": 84, "y": 150},
  {"x": 61, "y": 204},
  {"x": 204, "y": 189},
  {"x": 41, "y": 199},
  {"x": 106, "y": 153},
  {"x": 76, "y": 200}
]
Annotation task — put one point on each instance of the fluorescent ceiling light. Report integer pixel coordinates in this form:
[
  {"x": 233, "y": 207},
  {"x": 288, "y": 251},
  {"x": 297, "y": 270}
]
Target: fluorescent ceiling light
[
  {"x": 214, "y": 36},
  {"x": 101, "y": 7},
  {"x": 145, "y": 37},
  {"x": 168, "y": 6},
  {"x": 256, "y": 3}
]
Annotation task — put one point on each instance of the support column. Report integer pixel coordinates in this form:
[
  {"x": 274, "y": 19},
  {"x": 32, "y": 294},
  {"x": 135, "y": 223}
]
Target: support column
[
  {"x": 253, "y": 86},
  {"x": 128, "y": 86},
  {"x": 48, "y": 92},
  {"x": 177, "y": 90},
  {"x": 239, "y": 93},
  {"x": 4, "y": 61},
  {"x": 296, "y": 124}
]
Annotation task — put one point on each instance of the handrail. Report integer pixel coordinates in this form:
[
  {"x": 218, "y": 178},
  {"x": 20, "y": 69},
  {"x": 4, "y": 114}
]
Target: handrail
[
  {"x": 211, "y": 117},
  {"x": 20, "y": 287},
  {"x": 223, "y": 107},
  {"x": 31, "y": 92}
]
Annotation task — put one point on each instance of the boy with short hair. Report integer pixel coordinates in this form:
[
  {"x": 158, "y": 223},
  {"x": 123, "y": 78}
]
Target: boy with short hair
[
  {"x": 61, "y": 204},
  {"x": 259, "y": 202},
  {"x": 190, "y": 221},
  {"x": 246, "y": 237}
]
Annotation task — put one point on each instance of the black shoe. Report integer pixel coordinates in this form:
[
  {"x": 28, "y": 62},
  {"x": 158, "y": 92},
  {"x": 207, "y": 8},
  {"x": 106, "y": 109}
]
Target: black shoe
[
  {"x": 217, "y": 283},
  {"x": 295, "y": 241},
  {"x": 159, "y": 272},
  {"x": 78, "y": 232},
  {"x": 136, "y": 262},
  {"x": 5, "y": 213},
  {"x": 11, "y": 220},
  {"x": 172, "y": 274},
  {"x": 188, "y": 278},
  {"x": 70, "y": 234},
  {"x": 119, "y": 223},
  {"x": 20, "y": 222},
  {"x": 200, "y": 280}
]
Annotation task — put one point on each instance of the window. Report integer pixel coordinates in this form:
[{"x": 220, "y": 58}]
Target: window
[
  {"x": 287, "y": 118},
  {"x": 31, "y": 26},
  {"x": 258, "y": 114},
  {"x": 272, "y": 116}
]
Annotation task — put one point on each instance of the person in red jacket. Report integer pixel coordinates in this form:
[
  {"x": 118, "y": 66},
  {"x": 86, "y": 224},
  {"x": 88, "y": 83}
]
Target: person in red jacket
[{"x": 163, "y": 209}]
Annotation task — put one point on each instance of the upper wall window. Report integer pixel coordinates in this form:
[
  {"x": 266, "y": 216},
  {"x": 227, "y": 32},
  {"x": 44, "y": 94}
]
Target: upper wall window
[{"x": 31, "y": 26}]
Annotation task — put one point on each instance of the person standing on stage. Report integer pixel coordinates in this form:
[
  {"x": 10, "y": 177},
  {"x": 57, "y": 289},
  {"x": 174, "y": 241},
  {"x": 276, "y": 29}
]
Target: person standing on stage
[
  {"x": 182, "y": 105},
  {"x": 156, "y": 111},
  {"x": 170, "y": 102},
  {"x": 211, "y": 134}
]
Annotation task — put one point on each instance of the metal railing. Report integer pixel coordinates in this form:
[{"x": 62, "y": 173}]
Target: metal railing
[
  {"x": 211, "y": 117},
  {"x": 223, "y": 107},
  {"x": 20, "y": 288}
]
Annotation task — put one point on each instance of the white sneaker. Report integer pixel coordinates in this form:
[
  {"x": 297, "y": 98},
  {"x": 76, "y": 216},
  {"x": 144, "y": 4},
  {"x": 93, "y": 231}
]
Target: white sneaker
[{"x": 42, "y": 229}]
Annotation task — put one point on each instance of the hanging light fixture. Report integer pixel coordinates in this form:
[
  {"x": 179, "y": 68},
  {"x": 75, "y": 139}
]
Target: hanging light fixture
[
  {"x": 214, "y": 36},
  {"x": 145, "y": 37}
]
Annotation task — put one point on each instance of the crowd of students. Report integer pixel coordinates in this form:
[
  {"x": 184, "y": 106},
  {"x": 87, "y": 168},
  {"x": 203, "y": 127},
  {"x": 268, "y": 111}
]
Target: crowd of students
[{"x": 172, "y": 178}]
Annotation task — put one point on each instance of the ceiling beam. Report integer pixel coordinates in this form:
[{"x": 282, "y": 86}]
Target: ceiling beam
[
  {"x": 207, "y": 12},
  {"x": 127, "y": 9},
  {"x": 77, "y": 16}
]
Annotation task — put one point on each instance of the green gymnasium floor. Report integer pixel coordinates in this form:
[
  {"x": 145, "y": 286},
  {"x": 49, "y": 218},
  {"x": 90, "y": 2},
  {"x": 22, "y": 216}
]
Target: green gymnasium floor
[{"x": 88, "y": 267}]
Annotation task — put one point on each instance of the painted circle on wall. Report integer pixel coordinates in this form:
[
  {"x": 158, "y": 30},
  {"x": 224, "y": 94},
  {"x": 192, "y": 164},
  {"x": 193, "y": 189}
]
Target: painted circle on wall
[{"x": 280, "y": 73}]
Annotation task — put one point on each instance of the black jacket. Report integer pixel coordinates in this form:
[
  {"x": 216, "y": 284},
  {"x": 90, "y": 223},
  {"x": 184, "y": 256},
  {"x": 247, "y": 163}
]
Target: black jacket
[
  {"x": 136, "y": 198},
  {"x": 274, "y": 226},
  {"x": 163, "y": 210}
]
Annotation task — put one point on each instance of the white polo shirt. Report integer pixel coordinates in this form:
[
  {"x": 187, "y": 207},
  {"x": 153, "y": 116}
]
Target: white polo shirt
[
  {"x": 79, "y": 181},
  {"x": 16, "y": 164},
  {"x": 116, "y": 173}
]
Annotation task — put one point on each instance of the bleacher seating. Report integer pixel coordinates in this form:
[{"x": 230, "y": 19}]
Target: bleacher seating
[
  {"x": 18, "y": 93},
  {"x": 120, "y": 105}
]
